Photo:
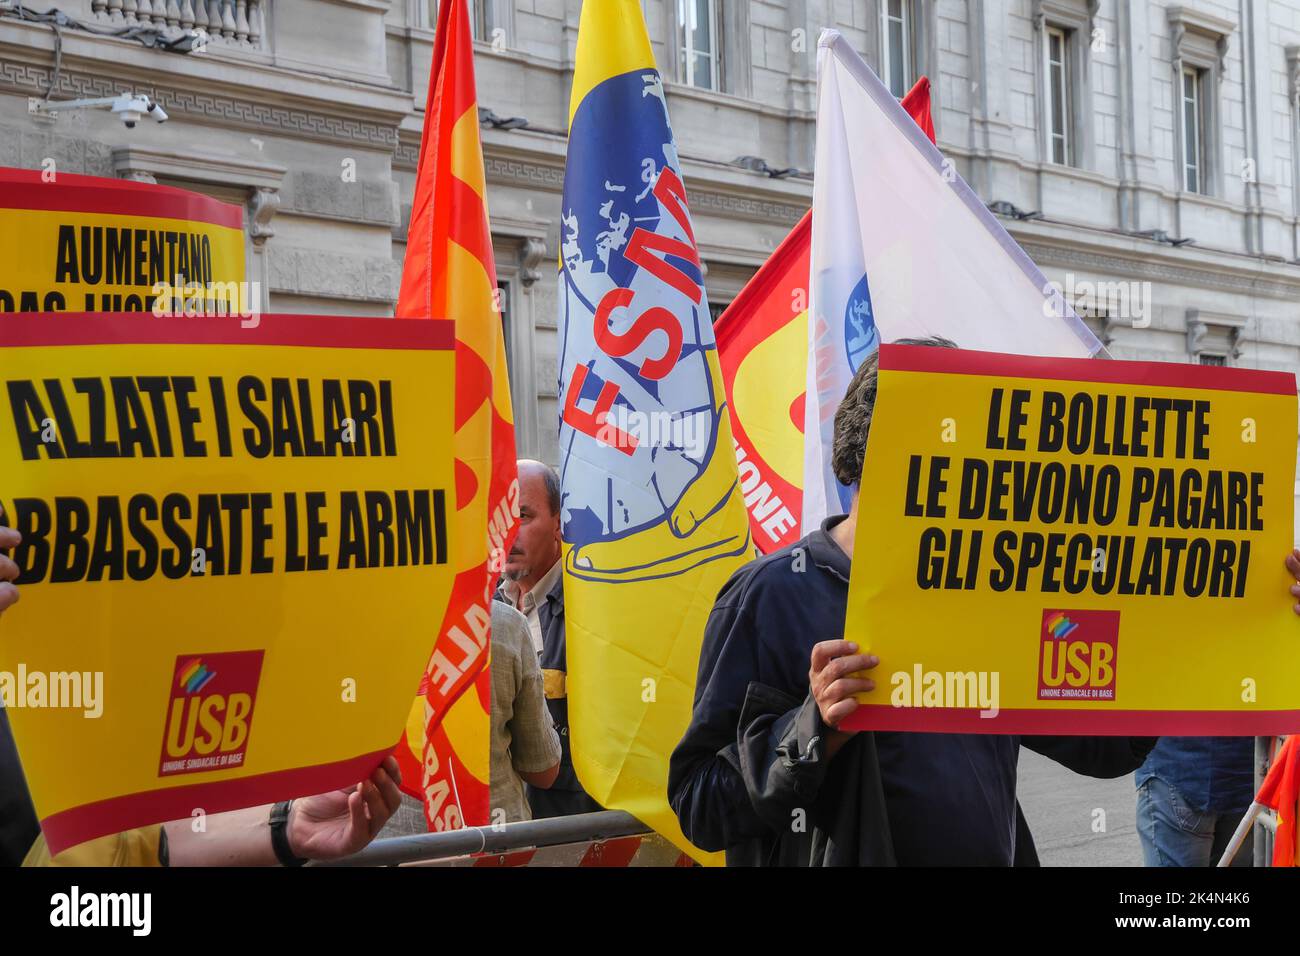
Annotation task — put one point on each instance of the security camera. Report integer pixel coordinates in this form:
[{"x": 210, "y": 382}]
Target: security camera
[{"x": 131, "y": 108}]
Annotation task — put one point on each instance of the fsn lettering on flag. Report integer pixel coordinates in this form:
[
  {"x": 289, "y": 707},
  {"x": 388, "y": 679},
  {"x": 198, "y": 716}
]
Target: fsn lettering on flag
[{"x": 636, "y": 344}]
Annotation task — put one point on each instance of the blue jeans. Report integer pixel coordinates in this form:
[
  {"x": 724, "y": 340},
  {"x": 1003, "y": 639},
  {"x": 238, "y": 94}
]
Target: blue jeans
[{"x": 1175, "y": 834}]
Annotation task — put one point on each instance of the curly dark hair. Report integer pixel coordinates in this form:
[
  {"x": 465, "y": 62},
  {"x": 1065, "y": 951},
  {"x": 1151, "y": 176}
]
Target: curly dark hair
[{"x": 853, "y": 418}]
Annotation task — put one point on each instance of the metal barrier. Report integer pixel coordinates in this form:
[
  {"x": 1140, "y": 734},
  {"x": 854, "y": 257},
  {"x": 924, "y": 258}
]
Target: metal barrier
[
  {"x": 616, "y": 838},
  {"x": 586, "y": 831},
  {"x": 1266, "y": 749}
]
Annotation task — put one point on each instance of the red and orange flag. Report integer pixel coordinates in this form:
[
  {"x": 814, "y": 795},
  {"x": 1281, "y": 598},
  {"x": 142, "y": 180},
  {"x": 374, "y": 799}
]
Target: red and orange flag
[
  {"x": 449, "y": 274},
  {"x": 1281, "y": 791}
]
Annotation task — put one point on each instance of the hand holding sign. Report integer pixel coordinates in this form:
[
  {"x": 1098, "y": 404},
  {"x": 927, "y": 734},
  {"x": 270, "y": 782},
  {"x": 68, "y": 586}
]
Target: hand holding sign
[
  {"x": 1293, "y": 565},
  {"x": 341, "y": 822},
  {"x": 9, "y": 538},
  {"x": 834, "y": 681}
]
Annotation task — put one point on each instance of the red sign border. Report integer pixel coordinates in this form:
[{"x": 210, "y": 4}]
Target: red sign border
[
  {"x": 30, "y": 190},
  {"x": 927, "y": 358},
  {"x": 37, "y": 329},
  {"x": 1074, "y": 721}
]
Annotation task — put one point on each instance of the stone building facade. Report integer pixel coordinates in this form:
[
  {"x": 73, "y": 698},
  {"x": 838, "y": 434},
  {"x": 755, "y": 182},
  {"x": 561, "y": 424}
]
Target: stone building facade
[{"x": 1121, "y": 142}]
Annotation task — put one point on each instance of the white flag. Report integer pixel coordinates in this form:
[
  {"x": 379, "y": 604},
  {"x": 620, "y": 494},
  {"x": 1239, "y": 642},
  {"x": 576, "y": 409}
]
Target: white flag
[{"x": 901, "y": 248}]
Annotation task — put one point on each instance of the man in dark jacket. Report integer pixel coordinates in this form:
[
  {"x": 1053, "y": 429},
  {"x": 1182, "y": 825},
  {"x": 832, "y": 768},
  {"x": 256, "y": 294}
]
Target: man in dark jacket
[
  {"x": 535, "y": 586},
  {"x": 763, "y": 773}
]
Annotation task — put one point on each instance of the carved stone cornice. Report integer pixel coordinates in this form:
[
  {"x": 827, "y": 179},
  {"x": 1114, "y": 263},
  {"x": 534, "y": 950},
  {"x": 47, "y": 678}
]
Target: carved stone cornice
[
  {"x": 730, "y": 206},
  {"x": 1242, "y": 283},
  {"x": 261, "y": 180},
  {"x": 262, "y": 206},
  {"x": 550, "y": 177},
  {"x": 1081, "y": 14},
  {"x": 519, "y": 172},
  {"x": 407, "y": 154},
  {"x": 532, "y": 251},
  {"x": 30, "y": 79},
  {"x": 136, "y": 160},
  {"x": 1293, "y": 75},
  {"x": 1203, "y": 326},
  {"x": 1185, "y": 22}
]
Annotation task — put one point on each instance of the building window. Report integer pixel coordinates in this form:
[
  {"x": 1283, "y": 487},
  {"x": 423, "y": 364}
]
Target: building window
[
  {"x": 1199, "y": 43},
  {"x": 1293, "y": 89},
  {"x": 481, "y": 11},
  {"x": 480, "y": 17},
  {"x": 1214, "y": 338},
  {"x": 1193, "y": 110},
  {"x": 1063, "y": 88},
  {"x": 519, "y": 263},
  {"x": 896, "y": 29},
  {"x": 503, "y": 306},
  {"x": 1060, "y": 95},
  {"x": 699, "y": 42}
]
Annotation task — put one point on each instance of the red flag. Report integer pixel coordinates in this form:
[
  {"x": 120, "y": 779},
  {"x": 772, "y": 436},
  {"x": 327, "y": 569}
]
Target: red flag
[
  {"x": 1281, "y": 792},
  {"x": 757, "y": 335},
  {"x": 917, "y": 104},
  {"x": 449, "y": 273}
]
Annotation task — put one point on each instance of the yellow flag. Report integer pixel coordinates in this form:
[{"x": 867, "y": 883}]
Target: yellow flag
[{"x": 654, "y": 522}]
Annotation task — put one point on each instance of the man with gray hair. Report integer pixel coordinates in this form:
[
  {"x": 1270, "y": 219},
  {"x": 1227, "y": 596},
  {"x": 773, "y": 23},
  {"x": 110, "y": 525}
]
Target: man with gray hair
[{"x": 534, "y": 584}]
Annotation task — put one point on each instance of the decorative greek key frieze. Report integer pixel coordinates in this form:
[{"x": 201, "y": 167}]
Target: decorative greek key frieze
[{"x": 30, "y": 79}]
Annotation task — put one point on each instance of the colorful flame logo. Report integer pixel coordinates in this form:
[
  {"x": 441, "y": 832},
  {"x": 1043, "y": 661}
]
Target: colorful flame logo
[
  {"x": 1060, "y": 626},
  {"x": 194, "y": 676}
]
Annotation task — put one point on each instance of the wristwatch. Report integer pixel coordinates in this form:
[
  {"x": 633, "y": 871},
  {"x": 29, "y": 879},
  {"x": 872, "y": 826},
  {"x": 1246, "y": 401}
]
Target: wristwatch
[{"x": 280, "y": 835}]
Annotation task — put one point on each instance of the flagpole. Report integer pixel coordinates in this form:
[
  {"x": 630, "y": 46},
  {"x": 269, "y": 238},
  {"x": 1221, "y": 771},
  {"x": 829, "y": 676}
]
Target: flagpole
[{"x": 1239, "y": 835}]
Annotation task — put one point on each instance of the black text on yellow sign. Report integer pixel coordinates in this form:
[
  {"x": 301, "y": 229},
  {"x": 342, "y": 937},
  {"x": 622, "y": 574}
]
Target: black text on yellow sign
[
  {"x": 1168, "y": 491},
  {"x": 109, "y": 537},
  {"x": 79, "y": 243}
]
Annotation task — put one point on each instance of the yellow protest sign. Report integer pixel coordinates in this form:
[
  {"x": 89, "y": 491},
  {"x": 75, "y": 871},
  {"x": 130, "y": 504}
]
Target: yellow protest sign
[
  {"x": 82, "y": 243},
  {"x": 234, "y": 556},
  {"x": 1076, "y": 546}
]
